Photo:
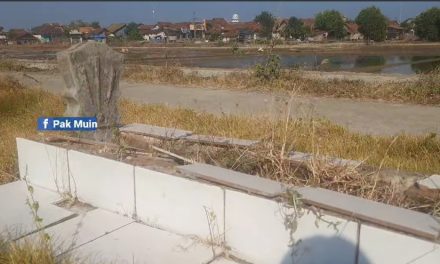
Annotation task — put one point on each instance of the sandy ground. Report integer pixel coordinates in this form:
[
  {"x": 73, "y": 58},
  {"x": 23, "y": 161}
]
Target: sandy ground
[
  {"x": 376, "y": 118},
  {"x": 209, "y": 72}
]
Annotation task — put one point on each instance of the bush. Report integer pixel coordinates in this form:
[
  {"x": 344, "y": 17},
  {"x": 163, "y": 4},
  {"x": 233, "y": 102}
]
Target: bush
[{"x": 269, "y": 71}]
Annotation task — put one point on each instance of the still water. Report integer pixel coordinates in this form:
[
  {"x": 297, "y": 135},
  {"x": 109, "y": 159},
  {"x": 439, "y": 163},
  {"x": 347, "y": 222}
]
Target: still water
[{"x": 402, "y": 64}]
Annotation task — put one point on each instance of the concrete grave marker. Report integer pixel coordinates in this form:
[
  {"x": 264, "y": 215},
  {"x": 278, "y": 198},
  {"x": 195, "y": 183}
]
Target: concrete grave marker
[{"x": 91, "y": 72}]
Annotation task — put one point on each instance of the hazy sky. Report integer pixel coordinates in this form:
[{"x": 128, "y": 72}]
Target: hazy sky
[{"x": 30, "y": 14}]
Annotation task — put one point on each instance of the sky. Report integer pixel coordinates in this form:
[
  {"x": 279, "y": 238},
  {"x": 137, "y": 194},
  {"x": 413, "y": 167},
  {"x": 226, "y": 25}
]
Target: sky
[{"x": 29, "y": 14}]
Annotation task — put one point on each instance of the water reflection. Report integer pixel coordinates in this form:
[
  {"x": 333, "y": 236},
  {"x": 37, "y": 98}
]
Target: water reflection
[{"x": 403, "y": 64}]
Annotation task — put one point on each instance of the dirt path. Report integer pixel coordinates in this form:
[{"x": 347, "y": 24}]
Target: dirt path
[{"x": 377, "y": 118}]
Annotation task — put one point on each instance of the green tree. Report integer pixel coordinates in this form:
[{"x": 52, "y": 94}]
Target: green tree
[
  {"x": 295, "y": 28},
  {"x": 372, "y": 24},
  {"x": 95, "y": 24},
  {"x": 332, "y": 22},
  {"x": 267, "y": 22},
  {"x": 132, "y": 31},
  {"x": 427, "y": 24}
]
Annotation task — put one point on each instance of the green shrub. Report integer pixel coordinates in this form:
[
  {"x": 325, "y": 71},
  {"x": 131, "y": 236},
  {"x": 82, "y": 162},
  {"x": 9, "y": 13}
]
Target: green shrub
[{"x": 271, "y": 70}]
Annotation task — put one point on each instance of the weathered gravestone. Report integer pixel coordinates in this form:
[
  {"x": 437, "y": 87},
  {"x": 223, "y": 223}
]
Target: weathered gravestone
[{"x": 91, "y": 72}]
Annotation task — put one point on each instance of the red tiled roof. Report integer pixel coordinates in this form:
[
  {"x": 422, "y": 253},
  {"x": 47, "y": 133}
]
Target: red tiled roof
[{"x": 352, "y": 28}]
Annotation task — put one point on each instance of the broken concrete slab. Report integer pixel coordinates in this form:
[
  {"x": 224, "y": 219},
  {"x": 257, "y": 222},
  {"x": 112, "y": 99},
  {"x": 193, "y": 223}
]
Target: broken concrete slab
[
  {"x": 179, "y": 205},
  {"x": 102, "y": 182},
  {"x": 138, "y": 243},
  {"x": 257, "y": 230},
  {"x": 155, "y": 131},
  {"x": 17, "y": 219},
  {"x": 43, "y": 165},
  {"x": 403, "y": 220},
  {"x": 91, "y": 72},
  {"x": 221, "y": 141},
  {"x": 83, "y": 228},
  {"x": 374, "y": 246},
  {"x": 432, "y": 182},
  {"x": 308, "y": 157},
  {"x": 234, "y": 179}
]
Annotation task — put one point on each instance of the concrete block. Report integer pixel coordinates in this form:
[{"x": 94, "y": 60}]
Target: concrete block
[
  {"x": 234, "y": 179},
  {"x": 404, "y": 220},
  {"x": 155, "y": 131},
  {"x": 179, "y": 204},
  {"x": 432, "y": 182},
  {"x": 84, "y": 228},
  {"x": 221, "y": 141},
  {"x": 102, "y": 182},
  {"x": 307, "y": 157},
  {"x": 43, "y": 165},
  {"x": 17, "y": 218},
  {"x": 256, "y": 232},
  {"x": 138, "y": 243},
  {"x": 383, "y": 246}
]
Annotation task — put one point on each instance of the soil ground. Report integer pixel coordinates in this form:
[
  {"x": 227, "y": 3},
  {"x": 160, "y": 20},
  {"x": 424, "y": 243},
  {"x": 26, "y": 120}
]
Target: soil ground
[{"x": 376, "y": 118}]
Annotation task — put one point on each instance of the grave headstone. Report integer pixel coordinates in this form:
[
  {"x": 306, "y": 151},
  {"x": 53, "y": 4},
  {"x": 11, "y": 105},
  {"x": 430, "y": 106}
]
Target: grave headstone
[{"x": 91, "y": 72}]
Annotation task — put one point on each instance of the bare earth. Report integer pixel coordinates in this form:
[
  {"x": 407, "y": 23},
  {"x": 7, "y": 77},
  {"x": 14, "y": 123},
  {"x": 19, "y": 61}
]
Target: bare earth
[{"x": 376, "y": 118}]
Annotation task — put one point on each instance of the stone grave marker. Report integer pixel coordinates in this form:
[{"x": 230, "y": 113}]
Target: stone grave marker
[{"x": 91, "y": 72}]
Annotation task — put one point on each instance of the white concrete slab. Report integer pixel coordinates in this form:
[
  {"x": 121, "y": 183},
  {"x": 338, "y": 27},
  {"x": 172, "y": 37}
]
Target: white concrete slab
[
  {"x": 83, "y": 228},
  {"x": 234, "y": 179},
  {"x": 102, "y": 182},
  {"x": 43, "y": 165},
  {"x": 256, "y": 232},
  {"x": 155, "y": 131},
  {"x": 221, "y": 141},
  {"x": 401, "y": 219},
  {"x": 432, "y": 182},
  {"x": 16, "y": 217},
  {"x": 178, "y": 204},
  {"x": 138, "y": 243},
  {"x": 383, "y": 246},
  {"x": 307, "y": 157}
]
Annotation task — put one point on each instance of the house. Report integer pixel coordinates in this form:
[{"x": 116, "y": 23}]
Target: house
[
  {"x": 394, "y": 30},
  {"x": 50, "y": 32},
  {"x": 309, "y": 24},
  {"x": 99, "y": 35},
  {"x": 21, "y": 37},
  {"x": 318, "y": 36},
  {"x": 198, "y": 29},
  {"x": 75, "y": 36},
  {"x": 353, "y": 31},
  {"x": 3, "y": 37},
  {"x": 117, "y": 30}
]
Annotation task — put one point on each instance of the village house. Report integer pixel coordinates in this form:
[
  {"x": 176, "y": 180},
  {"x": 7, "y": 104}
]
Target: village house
[
  {"x": 3, "y": 37},
  {"x": 21, "y": 37},
  {"x": 49, "y": 32},
  {"x": 353, "y": 33},
  {"x": 117, "y": 30},
  {"x": 75, "y": 36},
  {"x": 394, "y": 30}
]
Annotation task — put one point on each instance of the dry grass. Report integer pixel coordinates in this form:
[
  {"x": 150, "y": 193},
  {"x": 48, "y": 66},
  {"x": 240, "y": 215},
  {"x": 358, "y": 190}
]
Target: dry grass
[
  {"x": 269, "y": 158},
  {"x": 411, "y": 153},
  {"x": 425, "y": 90},
  {"x": 31, "y": 252},
  {"x": 19, "y": 109},
  {"x": 11, "y": 65}
]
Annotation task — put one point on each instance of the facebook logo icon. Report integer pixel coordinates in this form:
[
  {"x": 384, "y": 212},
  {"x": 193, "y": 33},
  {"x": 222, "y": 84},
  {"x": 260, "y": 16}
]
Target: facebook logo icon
[{"x": 67, "y": 124}]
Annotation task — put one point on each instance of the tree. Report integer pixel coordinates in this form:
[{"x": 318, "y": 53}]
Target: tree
[
  {"x": 372, "y": 24},
  {"x": 427, "y": 24},
  {"x": 267, "y": 22},
  {"x": 132, "y": 31},
  {"x": 295, "y": 28},
  {"x": 95, "y": 24},
  {"x": 332, "y": 22}
]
